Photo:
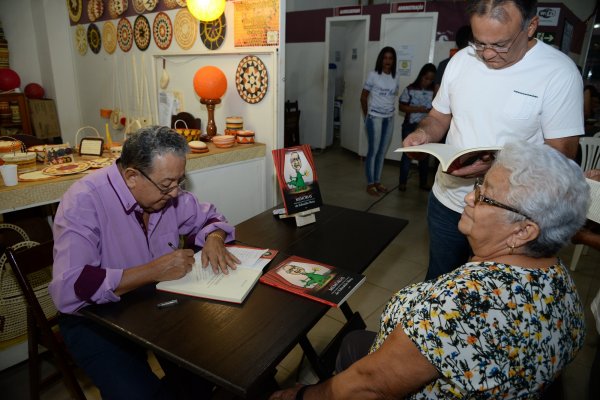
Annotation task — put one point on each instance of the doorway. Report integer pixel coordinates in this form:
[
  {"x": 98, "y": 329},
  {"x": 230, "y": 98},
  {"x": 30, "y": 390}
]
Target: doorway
[{"x": 346, "y": 41}]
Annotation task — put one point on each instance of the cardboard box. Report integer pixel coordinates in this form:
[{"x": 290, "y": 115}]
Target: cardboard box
[{"x": 44, "y": 118}]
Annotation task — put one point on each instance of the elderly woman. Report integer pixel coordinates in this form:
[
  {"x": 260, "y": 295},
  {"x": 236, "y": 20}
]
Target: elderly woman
[{"x": 503, "y": 325}]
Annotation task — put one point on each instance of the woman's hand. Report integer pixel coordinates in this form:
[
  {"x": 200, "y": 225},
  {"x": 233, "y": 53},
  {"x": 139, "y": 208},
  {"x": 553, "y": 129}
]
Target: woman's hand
[{"x": 215, "y": 253}]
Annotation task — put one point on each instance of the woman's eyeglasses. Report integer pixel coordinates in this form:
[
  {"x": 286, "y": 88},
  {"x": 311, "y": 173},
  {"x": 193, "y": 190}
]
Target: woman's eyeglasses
[
  {"x": 164, "y": 191},
  {"x": 479, "y": 198}
]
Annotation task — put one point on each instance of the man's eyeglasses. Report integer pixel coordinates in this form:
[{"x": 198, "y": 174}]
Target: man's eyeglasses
[
  {"x": 180, "y": 184},
  {"x": 479, "y": 198},
  {"x": 498, "y": 49}
]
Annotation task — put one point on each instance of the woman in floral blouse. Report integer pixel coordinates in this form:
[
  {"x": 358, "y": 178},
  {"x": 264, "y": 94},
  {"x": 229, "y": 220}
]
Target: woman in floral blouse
[{"x": 503, "y": 325}]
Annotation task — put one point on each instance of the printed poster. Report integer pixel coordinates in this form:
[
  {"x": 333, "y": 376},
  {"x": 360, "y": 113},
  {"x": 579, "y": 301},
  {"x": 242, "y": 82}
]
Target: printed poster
[{"x": 256, "y": 23}]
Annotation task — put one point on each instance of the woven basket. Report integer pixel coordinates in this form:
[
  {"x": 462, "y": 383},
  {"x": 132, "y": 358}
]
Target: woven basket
[
  {"x": 189, "y": 133},
  {"x": 13, "y": 306},
  {"x": 19, "y": 156}
]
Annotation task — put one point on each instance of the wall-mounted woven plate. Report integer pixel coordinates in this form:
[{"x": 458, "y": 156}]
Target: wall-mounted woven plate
[
  {"x": 141, "y": 32},
  {"x": 251, "y": 79},
  {"x": 81, "y": 40},
  {"x": 162, "y": 30},
  {"x": 125, "y": 34},
  {"x": 186, "y": 29},
  {"x": 75, "y": 8},
  {"x": 138, "y": 6},
  {"x": 94, "y": 38},
  {"x": 109, "y": 37}
]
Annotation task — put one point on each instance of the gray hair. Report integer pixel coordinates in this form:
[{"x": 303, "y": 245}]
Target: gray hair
[
  {"x": 495, "y": 10},
  {"x": 549, "y": 188},
  {"x": 141, "y": 148}
]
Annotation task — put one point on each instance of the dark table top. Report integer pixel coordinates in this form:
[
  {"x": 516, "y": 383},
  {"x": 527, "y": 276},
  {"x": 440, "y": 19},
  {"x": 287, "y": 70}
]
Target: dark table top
[{"x": 237, "y": 346}]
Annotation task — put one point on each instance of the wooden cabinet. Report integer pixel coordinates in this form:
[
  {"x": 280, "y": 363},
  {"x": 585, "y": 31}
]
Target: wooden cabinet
[{"x": 16, "y": 99}]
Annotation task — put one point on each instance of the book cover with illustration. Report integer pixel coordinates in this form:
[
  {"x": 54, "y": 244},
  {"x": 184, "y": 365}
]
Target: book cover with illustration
[
  {"x": 317, "y": 281},
  {"x": 297, "y": 178}
]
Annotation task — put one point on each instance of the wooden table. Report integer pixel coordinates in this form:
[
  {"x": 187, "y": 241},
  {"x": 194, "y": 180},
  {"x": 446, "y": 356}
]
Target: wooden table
[{"x": 238, "y": 346}]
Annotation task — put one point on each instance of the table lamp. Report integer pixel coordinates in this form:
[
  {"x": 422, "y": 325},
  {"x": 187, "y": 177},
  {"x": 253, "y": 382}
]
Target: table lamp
[{"x": 210, "y": 84}]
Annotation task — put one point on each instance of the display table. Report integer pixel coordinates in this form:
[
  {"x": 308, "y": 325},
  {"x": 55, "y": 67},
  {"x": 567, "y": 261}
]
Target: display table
[{"x": 31, "y": 194}]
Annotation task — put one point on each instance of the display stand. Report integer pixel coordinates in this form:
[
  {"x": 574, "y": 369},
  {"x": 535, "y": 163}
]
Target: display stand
[{"x": 302, "y": 218}]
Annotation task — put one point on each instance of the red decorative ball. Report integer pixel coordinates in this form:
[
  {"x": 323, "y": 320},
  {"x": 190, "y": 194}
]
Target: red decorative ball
[
  {"x": 9, "y": 79},
  {"x": 210, "y": 82},
  {"x": 34, "y": 91}
]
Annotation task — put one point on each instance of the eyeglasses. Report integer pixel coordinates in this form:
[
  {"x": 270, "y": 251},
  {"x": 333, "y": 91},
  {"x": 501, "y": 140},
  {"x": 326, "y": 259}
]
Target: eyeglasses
[
  {"x": 481, "y": 198},
  {"x": 498, "y": 49},
  {"x": 180, "y": 184}
]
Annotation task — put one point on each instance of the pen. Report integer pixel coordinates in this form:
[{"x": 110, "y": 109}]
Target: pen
[
  {"x": 167, "y": 303},
  {"x": 172, "y": 246}
]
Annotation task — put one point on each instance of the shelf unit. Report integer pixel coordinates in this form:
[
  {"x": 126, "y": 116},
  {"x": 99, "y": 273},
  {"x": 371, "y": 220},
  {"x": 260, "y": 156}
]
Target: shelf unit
[{"x": 25, "y": 124}]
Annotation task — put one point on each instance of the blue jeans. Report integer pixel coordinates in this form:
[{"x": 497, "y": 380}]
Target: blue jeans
[
  {"x": 405, "y": 161},
  {"x": 448, "y": 248},
  {"x": 119, "y": 367},
  {"x": 379, "y": 135}
]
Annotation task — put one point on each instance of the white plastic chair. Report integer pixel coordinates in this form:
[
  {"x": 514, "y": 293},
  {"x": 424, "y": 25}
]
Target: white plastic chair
[
  {"x": 590, "y": 152},
  {"x": 593, "y": 214}
]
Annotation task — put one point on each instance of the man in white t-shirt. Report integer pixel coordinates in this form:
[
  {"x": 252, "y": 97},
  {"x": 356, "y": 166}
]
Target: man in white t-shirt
[{"x": 506, "y": 85}]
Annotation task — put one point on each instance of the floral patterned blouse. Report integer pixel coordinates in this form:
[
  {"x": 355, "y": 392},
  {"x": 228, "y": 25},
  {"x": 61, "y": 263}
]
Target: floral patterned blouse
[{"x": 491, "y": 330}]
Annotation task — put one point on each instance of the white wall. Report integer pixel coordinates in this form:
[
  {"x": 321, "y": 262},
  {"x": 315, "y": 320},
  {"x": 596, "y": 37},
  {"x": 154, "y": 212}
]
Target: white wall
[{"x": 304, "y": 66}]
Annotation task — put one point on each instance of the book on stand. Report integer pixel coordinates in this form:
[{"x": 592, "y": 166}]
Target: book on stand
[
  {"x": 233, "y": 287},
  {"x": 317, "y": 281},
  {"x": 451, "y": 157},
  {"x": 297, "y": 178}
]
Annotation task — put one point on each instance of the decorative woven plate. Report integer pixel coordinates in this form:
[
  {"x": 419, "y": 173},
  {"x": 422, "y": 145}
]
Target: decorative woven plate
[
  {"x": 141, "y": 32},
  {"x": 125, "y": 34},
  {"x": 163, "y": 30},
  {"x": 109, "y": 37},
  {"x": 170, "y": 3},
  {"x": 81, "y": 40},
  {"x": 138, "y": 6},
  {"x": 185, "y": 29},
  {"x": 116, "y": 8},
  {"x": 75, "y": 8},
  {"x": 150, "y": 5},
  {"x": 182, "y": 3},
  {"x": 101, "y": 162},
  {"x": 66, "y": 169},
  {"x": 95, "y": 9},
  {"x": 34, "y": 176},
  {"x": 94, "y": 38},
  {"x": 251, "y": 79},
  {"x": 212, "y": 33}
]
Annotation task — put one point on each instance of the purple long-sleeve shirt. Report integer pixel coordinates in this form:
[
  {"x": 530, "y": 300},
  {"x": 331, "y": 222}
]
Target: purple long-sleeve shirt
[{"x": 98, "y": 233}]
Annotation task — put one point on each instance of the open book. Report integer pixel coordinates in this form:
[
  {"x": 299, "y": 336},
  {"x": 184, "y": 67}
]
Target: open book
[
  {"x": 233, "y": 287},
  {"x": 317, "y": 281},
  {"x": 451, "y": 158},
  {"x": 594, "y": 211}
]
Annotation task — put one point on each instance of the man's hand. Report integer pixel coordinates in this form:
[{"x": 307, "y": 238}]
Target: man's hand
[
  {"x": 215, "y": 253},
  {"x": 476, "y": 169},
  {"x": 593, "y": 174},
  {"x": 416, "y": 138},
  {"x": 174, "y": 265}
]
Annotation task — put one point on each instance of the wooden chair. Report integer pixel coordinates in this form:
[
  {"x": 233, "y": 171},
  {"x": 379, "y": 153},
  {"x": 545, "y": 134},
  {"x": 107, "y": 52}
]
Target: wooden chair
[
  {"x": 590, "y": 152},
  {"x": 593, "y": 215},
  {"x": 26, "y": 265}
]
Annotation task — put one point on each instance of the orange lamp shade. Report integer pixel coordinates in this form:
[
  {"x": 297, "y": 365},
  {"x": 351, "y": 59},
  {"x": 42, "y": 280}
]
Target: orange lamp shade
[{"x": 210, "y": 82}]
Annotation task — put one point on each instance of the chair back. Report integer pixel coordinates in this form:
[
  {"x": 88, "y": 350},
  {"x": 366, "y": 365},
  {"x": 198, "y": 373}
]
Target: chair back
[
  {"x": 25, "y": 264},
  {"x": 590, "y": 152}
]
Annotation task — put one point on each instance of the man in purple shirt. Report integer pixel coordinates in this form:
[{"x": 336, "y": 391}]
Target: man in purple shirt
[{"x": 116, "y": 230}]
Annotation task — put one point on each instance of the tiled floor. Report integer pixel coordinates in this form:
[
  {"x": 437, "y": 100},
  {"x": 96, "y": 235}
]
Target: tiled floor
[{"x": 342, "y": 183}]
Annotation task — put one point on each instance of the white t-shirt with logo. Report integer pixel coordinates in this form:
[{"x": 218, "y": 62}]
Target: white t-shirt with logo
[
  {"x": 540, "y": 97},
  {"x": 383, "y": 90}
]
